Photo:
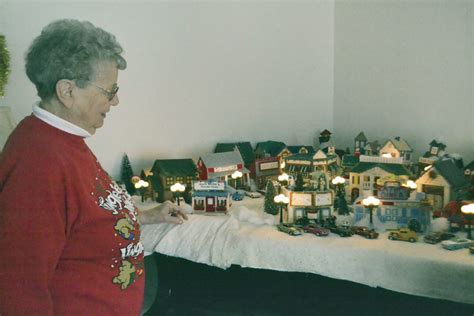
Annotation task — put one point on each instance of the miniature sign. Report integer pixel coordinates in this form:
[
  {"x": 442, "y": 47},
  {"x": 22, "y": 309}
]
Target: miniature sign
[
  {"x": 204, "y": 185},
  {"x": 301, "y": 199}
]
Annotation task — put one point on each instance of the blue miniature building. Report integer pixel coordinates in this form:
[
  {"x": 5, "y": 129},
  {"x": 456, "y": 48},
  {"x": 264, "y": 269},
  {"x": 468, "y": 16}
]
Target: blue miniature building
[
  {"x": 210, "y": 197},
  {"x": 396, "y": 210}
]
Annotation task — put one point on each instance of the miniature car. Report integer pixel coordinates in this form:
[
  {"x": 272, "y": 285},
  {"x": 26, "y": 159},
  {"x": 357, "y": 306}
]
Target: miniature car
[
  {"x": 253, "y": 194},
  {"x": 436, "y": 237},
  {"x": 403, "y": 234},
  {"x": 365, "y": 232},
  {"x": 316, "y": 229},
  {"x": 457, "y": 243},
  {"x": 236, "y": 196},
  {"x": 290, "y": 229},
  {"x": 342, "y": 231}
]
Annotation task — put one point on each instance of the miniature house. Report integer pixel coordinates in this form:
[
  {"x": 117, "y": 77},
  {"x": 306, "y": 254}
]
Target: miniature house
[
  {"x": 432, "y": 155},
  {"x": 372, "y": 148},
  {"x": 397, "y": 148},
  {"x": 305, "y": 164},
  {"x": 245, "y": 149},
  {"x": 166, "y": 172},
  {"x": 220, "y": 166},
  {"x": 441, "y": 182},
  {"x": 364, "y": 176},
  {"x": 265, "y": 169},
  {"x": 309, "y": 204},
  {"x": 210, "y": 197},
  {"x": 396, "y": 210},
  {"x": 359, "y": 143}
]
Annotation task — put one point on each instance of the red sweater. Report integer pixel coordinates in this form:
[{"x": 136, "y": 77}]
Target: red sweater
[{"x": 70, "y": 238}]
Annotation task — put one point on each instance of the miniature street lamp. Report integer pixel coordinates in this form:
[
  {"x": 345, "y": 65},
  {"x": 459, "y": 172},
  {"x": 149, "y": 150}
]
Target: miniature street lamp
[
  {"x": 177, "y": 188},
  {"x": 469, "y": 211},
  {"x": 281, "y": 200},
  {"x": 339, "y": 183},
  {"x": 370, "y": 203},
  {"x": 283, "y": 180},
  {"x": 236, "y": 175},
  {"x": 141, "y": 185}
]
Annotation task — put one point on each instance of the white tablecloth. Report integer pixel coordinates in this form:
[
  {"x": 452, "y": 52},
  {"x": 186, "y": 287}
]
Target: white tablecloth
[{"x": 247, "y": 237}]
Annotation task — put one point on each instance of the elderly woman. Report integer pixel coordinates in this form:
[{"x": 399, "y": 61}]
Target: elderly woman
[{"x": 70, "y": 236}]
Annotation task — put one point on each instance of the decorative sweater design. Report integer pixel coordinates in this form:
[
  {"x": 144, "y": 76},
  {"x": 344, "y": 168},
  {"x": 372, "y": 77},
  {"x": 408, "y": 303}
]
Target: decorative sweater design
[{"x": 70, "y": 235}]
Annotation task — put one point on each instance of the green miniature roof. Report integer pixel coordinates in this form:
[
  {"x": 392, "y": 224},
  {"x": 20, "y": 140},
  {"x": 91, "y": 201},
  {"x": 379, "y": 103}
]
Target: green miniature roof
[
  {"x": 361, "y": 137},
  {"x": 308, "y": 157},
  {"x": 296, "y": 149},
  {"x": 174, "y": 167},
  {"x": 396, "y": 169},
  {"x": 273, "y": 148},
  {"x": 245, "y": 149},
  {"x": 349, "y": 160},
  {"x": 451, "y": 173}
]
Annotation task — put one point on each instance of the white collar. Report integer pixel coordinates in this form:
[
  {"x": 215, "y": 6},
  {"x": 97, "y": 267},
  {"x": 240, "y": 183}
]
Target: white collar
[{"x": 58, "y": 122}]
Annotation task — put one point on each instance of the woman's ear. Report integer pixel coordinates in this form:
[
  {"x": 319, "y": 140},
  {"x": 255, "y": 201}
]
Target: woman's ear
[{"x": 64, "y": 92}]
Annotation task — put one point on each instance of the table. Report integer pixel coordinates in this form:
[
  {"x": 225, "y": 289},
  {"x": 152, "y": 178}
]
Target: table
[{"x": 248, "y": 238}]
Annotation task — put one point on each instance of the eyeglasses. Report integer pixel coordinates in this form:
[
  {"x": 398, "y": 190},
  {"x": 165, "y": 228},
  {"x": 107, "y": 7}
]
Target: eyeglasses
[{"x": 110, "y": 93}]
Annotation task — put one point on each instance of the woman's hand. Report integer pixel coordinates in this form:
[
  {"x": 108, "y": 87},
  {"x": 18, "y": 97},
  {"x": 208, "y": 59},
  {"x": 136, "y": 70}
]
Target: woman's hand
[{"x": 166, "y": 212}]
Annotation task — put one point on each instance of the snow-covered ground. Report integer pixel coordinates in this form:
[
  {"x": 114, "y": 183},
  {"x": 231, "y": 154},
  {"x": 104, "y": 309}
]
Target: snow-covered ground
[{"x": 248, "y": 237}]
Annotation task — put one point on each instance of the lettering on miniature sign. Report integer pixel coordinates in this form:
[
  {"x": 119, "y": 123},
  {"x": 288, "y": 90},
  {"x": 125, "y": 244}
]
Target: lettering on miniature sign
[
  {"x": 301, "y": 199},
  {"x": 226, "y": 168},
  {"x": 211, "y": 186},
  {"x": 323, "y": 199},
  {"x": 269, "y": 165}
]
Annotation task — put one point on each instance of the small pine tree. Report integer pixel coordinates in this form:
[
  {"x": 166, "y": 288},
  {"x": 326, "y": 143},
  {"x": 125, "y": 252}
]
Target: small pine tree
[
  {"x": 127, "y": 174},
  {"x": 341, "y": 204},
  {"x": 299, "y": 183},
  {"x": 269, "y": 205}
]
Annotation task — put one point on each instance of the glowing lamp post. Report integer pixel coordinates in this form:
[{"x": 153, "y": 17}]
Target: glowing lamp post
[
  {"x": 281, "y": 200},
  {"x": 177, "y": 188},
  {"x": 283, "y": 180},
  {"x": 141, "y": 185},
  {"x": 370, "y": 203},
  {"x": 469, "y": 211},
  {"x": 236, "y": 175},
  {"x": 339, "y": 183},
  {"x": 410, "y": 185}
]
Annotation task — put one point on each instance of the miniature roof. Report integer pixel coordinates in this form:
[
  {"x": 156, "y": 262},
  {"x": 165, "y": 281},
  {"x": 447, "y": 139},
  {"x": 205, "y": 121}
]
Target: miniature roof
[
  {"x": 273, "y": 148},
  {"x": 325, "y": 133},
  {"x": 396, "y": 169},
  {"x": 361, "y": 137},
  {"x": 452, "y": 174},
  {"x": 400, "y": 144},
  {"x": 296, "y": 149},
  {"x": 174, "y": 167},
  {"x": 213, "y": 160},
  {"x": 349, "y": 160},
  {"x": 374, "y": 146},
  {"x": 245, "y": 149},
  {"x": 435, "y": 143},
  {"x": 470, "y": 166},
  {"x": 308, "y": 157}
]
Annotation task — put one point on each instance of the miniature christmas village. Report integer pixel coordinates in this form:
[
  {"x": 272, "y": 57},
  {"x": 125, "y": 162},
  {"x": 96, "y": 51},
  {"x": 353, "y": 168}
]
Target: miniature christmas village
[{"x": 375, "y": 189}]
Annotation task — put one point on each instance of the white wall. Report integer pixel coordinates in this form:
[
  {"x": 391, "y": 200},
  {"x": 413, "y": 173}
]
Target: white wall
[
  {"x": 200, "y": 72},
  {"x": 405, "y": 68}
]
